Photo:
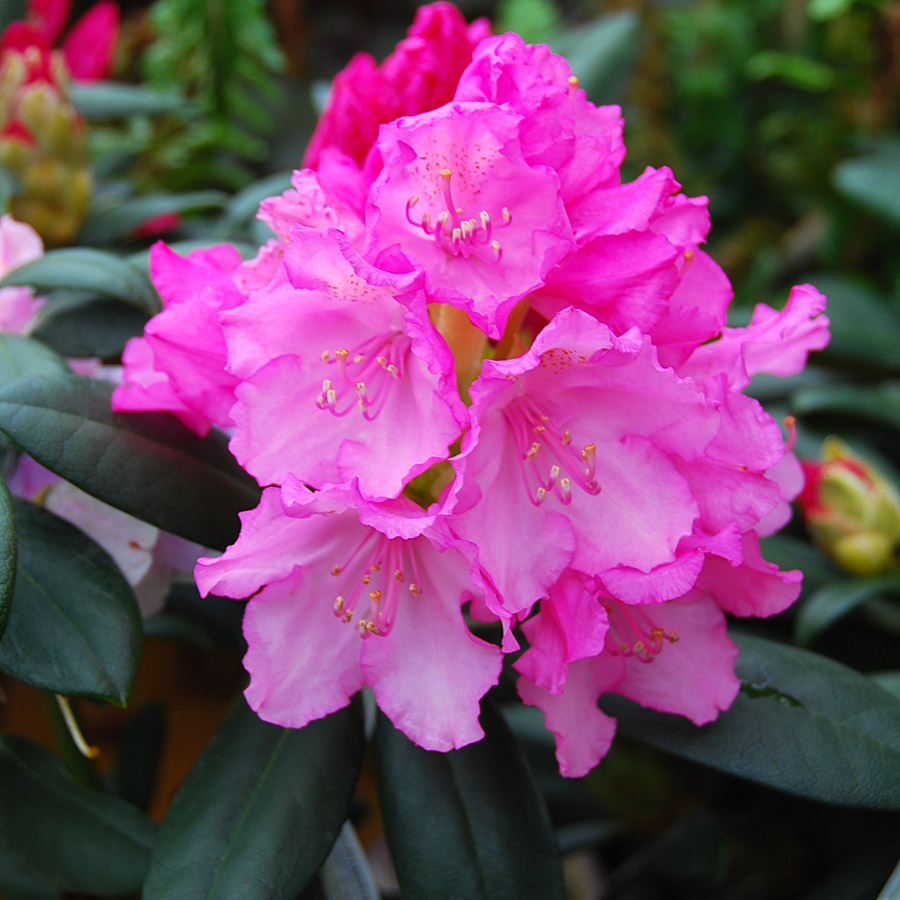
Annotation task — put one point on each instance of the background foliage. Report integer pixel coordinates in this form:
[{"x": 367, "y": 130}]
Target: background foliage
[{"x": 785, "y": 113}]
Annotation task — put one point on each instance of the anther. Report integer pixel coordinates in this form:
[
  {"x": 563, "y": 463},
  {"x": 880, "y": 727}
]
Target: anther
[
  {"x": 341, "y": 353},
  {"x": 533, "y": 450},
  {"x": 567, "y": 437},
  {"x": 335, "y": 570},
  {"x": 495, "y": 246},
  {"x": 375, "y": 595},
  {"x": 541, "y": 495},
  {"x": 326, "y": 356},
  {"x": 414, "y": 589},
  {"x": 398, "y": 575},
  {"x": 507, "y": 215}
]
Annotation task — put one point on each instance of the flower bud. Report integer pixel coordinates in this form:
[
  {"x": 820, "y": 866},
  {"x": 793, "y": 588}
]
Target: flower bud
[
  {"x": 43, "y": 140},
  {"x": 852, "y": 510}
]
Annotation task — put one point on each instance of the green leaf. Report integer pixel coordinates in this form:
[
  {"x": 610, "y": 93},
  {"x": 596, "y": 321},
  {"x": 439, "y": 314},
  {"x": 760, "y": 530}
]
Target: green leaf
[
  {"x": 115, "y": 100},
  {"x": 865, "y": 330},
  {"x": 602, "y": 54},
  {"x": 876, "y": 403},
  {"x": 79, "y": 268},
  {"x": 8, "y": 550},
  {"x": 74, "y": 838},
  {"x": 89, "y": 326},
  {"x": 244, "y": 205},
  {"x": 10, "y": 10},
  {"x": 467, "y": 824},
  {"x": 873, "y": 182},
  {"x": 10, "y": 186},
  {"x": 74, "y": 626},
  {"x": 822, "y": 10},
  {"x": 259, "y": 811},
  {"x": 830, "y": 603},
  {"x": 802, "y": 723},
  {"x": 119, "y": 219},
  {"x": 19, "y": 881},
  {"x": 22, "y": 357},
  {"x": 147, "y": 464}
]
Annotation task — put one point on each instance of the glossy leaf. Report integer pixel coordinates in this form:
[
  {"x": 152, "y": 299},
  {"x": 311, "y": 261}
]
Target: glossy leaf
[
  {"x": 468, "y": 824},
  {"x": 259, "y": 811},
  {"x": 876, "y": 403},
  {"x": 114, "y": 100},
  {"x": 873, "y": 182},
  {"x": 22, "y": 357},
  {"x": 73, "y": 838},
  {"x": 830, "y": 603},
  {"x": 80, "y": 268},
  {"x": 18, "y": 880},
  {"x": 802, "y": 723},
  {"x": 148, "y": 465},
  {"x": 602, "y": 54},
  {"x": 865, "y": 330},
  {"x": 89, "y": 327},
  {"x": 243, "y": 206},
  {"x": 74, "y": 626},
  {"x": 8, "y": 553}
]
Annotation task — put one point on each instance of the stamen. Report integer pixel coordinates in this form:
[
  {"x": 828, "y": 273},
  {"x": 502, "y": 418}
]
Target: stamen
[
  {"x": 551, "y": 464},
  {"x": 791, "y": 424},
  {"x": 573, "y": 86},
  {"x": 632, "y": 633},
  {"x": 361, "y": 376}
]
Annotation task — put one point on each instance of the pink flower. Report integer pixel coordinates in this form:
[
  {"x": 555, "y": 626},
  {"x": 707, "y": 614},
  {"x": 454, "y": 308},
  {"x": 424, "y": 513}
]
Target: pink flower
[
  {"x": 347, "y": 593},
  {"x": 368, "y": 380},
  {"x": 179, "y": 363},
  {"x": 473, "y": 367},
  {"x": 19, "y": 244},
  {"x": 89, "y": 45},
  {"x": 466, "y": 208},
  {"x": 421, "y": 74}
]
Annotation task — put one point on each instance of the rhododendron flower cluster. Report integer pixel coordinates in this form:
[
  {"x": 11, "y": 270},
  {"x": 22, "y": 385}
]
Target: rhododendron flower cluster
[{"x": 477, "y": 373}]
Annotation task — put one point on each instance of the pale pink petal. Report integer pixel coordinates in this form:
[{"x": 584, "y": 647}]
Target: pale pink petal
[
  {"x": 430, "y": 673},
  {"x": 303, "y": 661},
  {"x": 694, "y": 676},
  {"x": 583, "y": 733},
  {"x": 754, "y": 588},
  {"x": 774, "y": 342}
]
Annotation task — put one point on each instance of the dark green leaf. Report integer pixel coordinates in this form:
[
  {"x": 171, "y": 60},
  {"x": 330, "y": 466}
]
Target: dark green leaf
[
  {"x": 876, "y": 403},
  {"x": 148, "y": 465},
  {"x": 74, "y": 626},
  {"x": 80, "y": 268},
  {"x": 602, "y": 54},
  {"x": 830, "y": 603},
  {"x": 22, "y": 357},
  {"x": 119, "y": 219},
  {"x": 865, "y": 330},
  {"x": 91, "y": 327},
  {"x": 259, "y": 811},
  {"x": 19, "y": 881},
  {"x": 873, "y": 182},
  {"x": 788, "y": 552},
  {"x": 114, "y": 100},
  {"x": 244, "y": 205},
  {"x": 10, "y": 10},
  {"x": 468, "y": 824},
  {"x": 74, "y": 838},
  {"x": 802, "y": 723},
  {"x": 7, "y": 554}
]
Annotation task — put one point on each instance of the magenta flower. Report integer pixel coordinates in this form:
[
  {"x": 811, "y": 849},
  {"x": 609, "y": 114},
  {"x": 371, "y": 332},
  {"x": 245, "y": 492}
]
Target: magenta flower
[
  {"x": 179, "y": 363},
  {"x": 474, "y": 367},
  {"x": 421, "y": 74},
  {"x": 19, "y": 244}
]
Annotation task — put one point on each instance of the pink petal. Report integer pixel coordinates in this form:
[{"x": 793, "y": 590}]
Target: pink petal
[
  {"x": 583, "y": 733},
  {"x": 694, "y": 676},
  {"x": 89, "y": 46},
  {"x": 430, "y": 673},
  {"x": 303, "y": 661}
]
